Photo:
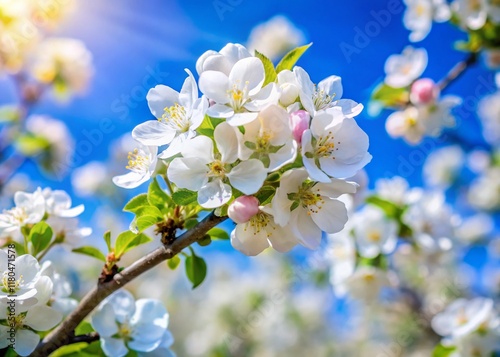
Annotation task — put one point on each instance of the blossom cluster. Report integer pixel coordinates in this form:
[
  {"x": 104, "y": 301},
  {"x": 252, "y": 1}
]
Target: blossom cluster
[{"x": 269, "y": 143}]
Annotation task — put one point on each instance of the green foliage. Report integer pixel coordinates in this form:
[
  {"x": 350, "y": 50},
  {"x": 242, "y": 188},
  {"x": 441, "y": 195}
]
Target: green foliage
[
  {"x": 218, "y": 233},
  {"x": 265, "y": 195},
  {"x": 289, "y": 60},
  {"x": 107, "y": 239},
  {"x": 208, "y": 126},
  {"x": 136, "y": 203},
  {"x": 157, "y": 197},
  {"x": 269, "y": 69},
  {"x": 174, "y": 262},
  {"x": 196, "y": 269},
  {"x": 390, "y": 209},
  {"x": 442, "y": 351},
  {"x": 91, "y": 252},
  {"x": 128, "y": 240},
  {"x": 204, "y": 241},
  {"x": 9, "y": 114},
  {"x": 389, "y": 96},
  {"x": 40, "y": 237},
  {"x": 31, "y": 145},
  {"x": 184, "y": 197}
]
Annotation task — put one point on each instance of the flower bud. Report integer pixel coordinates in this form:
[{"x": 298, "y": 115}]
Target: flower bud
[
  {"x": 289, "y": 93},
  {"x": 243, "y": 208},
  {"x": 299, "y": 121},
  {"x": 424, "y": 91}
]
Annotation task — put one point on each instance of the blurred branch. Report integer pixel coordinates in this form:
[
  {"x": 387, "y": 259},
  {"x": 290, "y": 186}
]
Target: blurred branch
[
  {"x": 9, "y": 167},
  {"x": 89, "y": 338},
  {"x": 457, "y": 70},
  {"x": 64, "y": 333}
]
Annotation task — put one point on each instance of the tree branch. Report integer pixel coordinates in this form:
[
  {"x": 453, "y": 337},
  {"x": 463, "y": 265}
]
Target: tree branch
[
  {"x": 63, "y": 334},
  {"x": 457, "y": 70}
]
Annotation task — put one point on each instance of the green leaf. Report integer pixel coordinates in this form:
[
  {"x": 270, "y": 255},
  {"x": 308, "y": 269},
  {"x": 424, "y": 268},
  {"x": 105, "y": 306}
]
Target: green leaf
[
  {"x": 190, "y": 223},
  {"x": 157, "y": 197},
  {"x": 218, "y": 233},
  {"x": 184, "y": 197},
  {"x": 388, "y": 207},
  {"x": 148, "y": 211},
  {"x": 289, "y": 60},
  {"x": 70, "y": 350},
  {"x": 40, "y": 236},
  {"x": 196, "y": 269},
  {"x": 204, "y": 241},
  {"x": 9, "y": 114},
  {"x": 206, "y": 127},
  {"x": 137, "y": 202},
  {"x": 442, "y": 351},
  {"x": 83, "y": 328},
  {"x": 91, "y": 252},
  {"x": 31, "y": 145},
  {"x": 174, "y": 262},
  {"x": 269, "y": 69},
  {"x": 107, "y": 239},
  {"x": 265, "y": 195},
  {"x": 145, "y": 222},
  {"x": 128, "y": 240},
  {"x": 390, "y": 96}
]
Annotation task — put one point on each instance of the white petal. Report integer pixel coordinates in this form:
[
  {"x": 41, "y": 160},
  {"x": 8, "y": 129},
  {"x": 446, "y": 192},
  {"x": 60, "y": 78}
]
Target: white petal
[
  {"x": 314, "y": 171},
  {"x": 349, "y": 107},
  {"x": 335, "y": 188},
  {"x": 104, "y": 321},
  {"x": 305, "y": 229},
  {"x": 153, "y": 133},
  {"x": 42, "y": 318},
  {"x": 332, "y": 86},
  {"x": 269, "y": 95},
  {"x": 189, "y": 173},
  {"x": 114, "y": 347},
  {"x": 71, "y": 212},
  {"x": 214, "y": 194},
  {"x": 161, "y": 97},
  {"x": 27, "y": 267},
  {"x": 215, "y": 86},
  {"x": 176, "y": 145},
  {"x": 248, "y": 72},
  {"x": 282, "y": 239},
  {"x": 248, "y": 241},
  {"x": 189, "y": 92},
  {"x": 220, "y": 111},
  {"x": 26, "y": 342},
  {"x": 131, "y": 179},
  {"x": 200, "y": 147},
  {"x": 248, "y": 176},
  {"x": 332, "y": 216},
  {"x": 242, "y": 118},
  {"x": 227, "y": 142}
]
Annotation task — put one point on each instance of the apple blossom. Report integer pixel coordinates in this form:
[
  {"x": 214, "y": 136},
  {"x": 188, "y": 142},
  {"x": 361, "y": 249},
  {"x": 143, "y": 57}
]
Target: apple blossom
[
  {"x": 222, "y": 61},
  {"x": 269, "y": 139},
  {"x": 341, "y": 253},
  {"x": 67, "y": 230},
  {"x": 471, "y": 13},
  {"x": 179, "y": 115},
  {"x": 207, "y": 171},
  {"x": 443, "y": 166},
  {"x": 310, "y": 207},
  {"x": 242, "y": 209},
  {"x": 402, "y": 69},
  {"x": 299, "y": 121},
  {"x": 289, "y": 87},
  {"x": 124, "y": 324},
  {"x": 142, "y": 164},
  {"x": 327, "y": 94},
  {"x": 260, "y": 232},
  {"x": 424, "y": 91},
  {"x": 29, "y": 209},
  {"x": 238, "y": 96},
  {"x": 489, "y": 114},
  {"x": 334, "y": 146},
  {"x": 58, "y": 203},
  {"x": 367, "y": 282},
  {"x": 60, "y": 298},
  {"x": 420, "y": 14},
  {"x": 374, "y": 233}
]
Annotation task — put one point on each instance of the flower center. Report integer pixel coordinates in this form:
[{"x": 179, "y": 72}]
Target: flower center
[
  {"x": 17, "y": 214},
  {"x": 10, "y": 285},
  {"x": 474, "y": 5},
  {"x": 313, "y": 202},
  {"x": 263, "y": 141},
  {"x": 175, "y": 117},
  {"x": 321, "y": 99},
  {"x": 217, "y": 169},
  {"x": 260, "y": 222},
  {"x": 369, "y": 277},
  {"x": 411, "y": 121},
  {"x": 420, "y": 10},
  {"x": 238, "y": 97},
  {"x": 125, "y": 331},
  {"x": 325, "y": 146},
  {"x": 374, "y": 237},
  {"x": 138, "y": 161}
]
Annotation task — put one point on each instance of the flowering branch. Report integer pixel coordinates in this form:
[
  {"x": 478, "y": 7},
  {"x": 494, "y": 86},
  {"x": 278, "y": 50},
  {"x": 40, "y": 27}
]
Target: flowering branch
[{"x": 63, "y": 334}]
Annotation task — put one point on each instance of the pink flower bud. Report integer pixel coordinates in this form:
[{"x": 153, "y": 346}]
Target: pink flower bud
[
  {"x": 243, "y": 208},
  {"x": 424, "y": 91},
  {"x": 299, "y": 121}
]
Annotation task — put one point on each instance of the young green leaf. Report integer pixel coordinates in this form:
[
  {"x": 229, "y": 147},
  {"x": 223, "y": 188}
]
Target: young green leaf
[
  {"x": 174, "y": 262},
  {"x": 107, "y": 239},
  {"x": 269, "y": 69},
  {"x": 146, "y": 221},
  {"x": 443, "y": 351},
  {"x": 91, "y": 252},
  {"x": 137, "y": 202},
  {"x": 184, "y": 197},
  {"x": 128, "y": 240},
  {"x": 196, "y": 269},
  {"x": 218, "y": 233},
  {"x": 157, "y": 197},
  {"x": 40, "y": 236},
  {"x": 289, "y": 60},
  {"x": 390, "y": 96},
  {"x": 204, "y": 241}
]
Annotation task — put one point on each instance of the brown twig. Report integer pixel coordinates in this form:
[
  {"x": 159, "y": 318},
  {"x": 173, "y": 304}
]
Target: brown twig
[
  {"x": 63, "y": 334},
  {"x": 457, "y": 70}
]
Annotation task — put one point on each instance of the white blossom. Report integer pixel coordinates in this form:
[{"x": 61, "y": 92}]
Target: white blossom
[
  {"x": 222, "y": 61},
  {"x": 443, "y": 166},
  {"x": 402, "y": 69},
  {"x": 471, "y": 13},
  {"x": 29, "y": 209},
  {"x": 142, "y": 164},
  {"x": 420, "y": 14}
]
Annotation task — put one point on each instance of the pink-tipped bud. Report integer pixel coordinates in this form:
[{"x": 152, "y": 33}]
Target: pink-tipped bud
[
  {"x": 424, "y": 91},
  {"x": 299, "y": 122},
  {"x": 243, "y": 208}
]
